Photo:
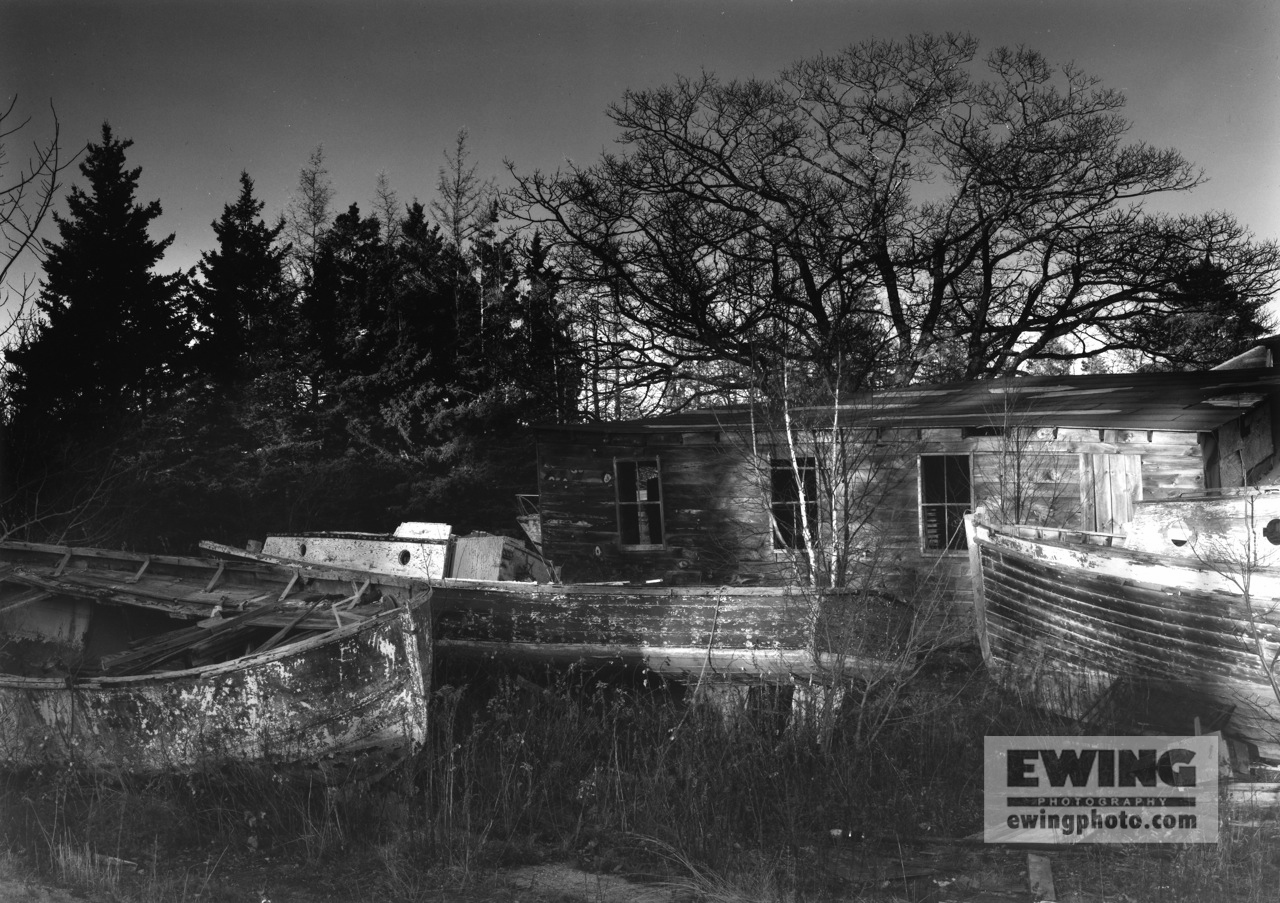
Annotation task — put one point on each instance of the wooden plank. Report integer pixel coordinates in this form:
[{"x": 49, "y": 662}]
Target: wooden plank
[
  {"x": 88, "y": 553},
  {"x": 284, "y": 631},
  {"x": 1255, "y": 793},
  {"x": 176, "y": 607},
  {"x": 1083, "y": 626},
  {"x": 153, "y": 651},
  {"x": 319, "y": 621},
  {"x": 30, "y": 597},
  {"x": 979, "y": 601},
  {"x": 217, "y": 575},
  {"x": 289, "y": 586},
  {"x": 142, "y": 570},
  {"x": 1040, "y": 877},
  {"x": 1088, "y": 498},
  {"x": 62, "y": 565}
]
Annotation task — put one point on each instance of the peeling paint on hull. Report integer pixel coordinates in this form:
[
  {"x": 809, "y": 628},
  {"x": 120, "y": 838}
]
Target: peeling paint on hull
[
  {"x": 246, "y": 671},
  {"x": 355, "y": 688},
  {"x": 1084, "y": 624},
  {"x": 736, "y": 633},
  {"x": 744, "y": 633}
]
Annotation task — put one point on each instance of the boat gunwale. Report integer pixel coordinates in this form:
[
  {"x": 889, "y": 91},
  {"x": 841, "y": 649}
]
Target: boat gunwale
[
  {"x": 352, "y": 534},
  {"x": 1000, "y": 537},
  {"x": 531, "y": 589},
  {"x": 244, "y": 662},
  {"x": 239, "y": 562}
]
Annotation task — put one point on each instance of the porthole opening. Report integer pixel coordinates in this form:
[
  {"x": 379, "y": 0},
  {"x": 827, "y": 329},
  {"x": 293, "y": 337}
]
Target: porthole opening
[
  {"x": 1179, "y": 534},
  {"x": 302, "y": 550},
  {"x": 404, "y": 556},
  {"x": 1272, "y": 531}
]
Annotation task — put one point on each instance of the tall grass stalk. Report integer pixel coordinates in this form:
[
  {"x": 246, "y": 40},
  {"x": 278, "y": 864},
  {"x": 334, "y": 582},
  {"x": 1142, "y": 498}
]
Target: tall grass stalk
[{"x": 750, "y": 806}]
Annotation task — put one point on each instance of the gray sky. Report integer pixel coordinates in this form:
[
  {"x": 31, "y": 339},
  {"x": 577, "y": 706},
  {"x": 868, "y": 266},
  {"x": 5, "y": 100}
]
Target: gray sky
[{"x": 206, "y": 89}]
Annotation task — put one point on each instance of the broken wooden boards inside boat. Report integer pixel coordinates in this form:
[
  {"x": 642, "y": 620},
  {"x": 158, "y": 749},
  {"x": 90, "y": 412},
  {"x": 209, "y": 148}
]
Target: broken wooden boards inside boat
[{"x": 263, "y": 663}]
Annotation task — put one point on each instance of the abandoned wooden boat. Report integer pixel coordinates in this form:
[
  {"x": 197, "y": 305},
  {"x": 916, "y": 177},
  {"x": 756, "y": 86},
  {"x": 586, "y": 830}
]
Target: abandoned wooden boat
[
  {"x": 268, "y": 665},
  {"x": 681, "y": 632},
  {"x": 745, "y": 633},
  {"x": 1175, "y": 621}
]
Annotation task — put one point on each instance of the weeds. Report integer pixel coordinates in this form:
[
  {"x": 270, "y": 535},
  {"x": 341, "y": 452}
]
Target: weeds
[{"x": 572, "y": 766}]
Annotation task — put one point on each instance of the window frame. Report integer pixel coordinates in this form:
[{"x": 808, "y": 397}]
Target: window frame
[
  {"x": 621, "y": 505},
  {"x": 808, "y": 466},
  {"x": 922, "y": 505}
]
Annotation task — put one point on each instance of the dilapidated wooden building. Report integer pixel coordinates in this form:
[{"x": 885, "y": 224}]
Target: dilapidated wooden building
[{"x": 721, "y": 495}]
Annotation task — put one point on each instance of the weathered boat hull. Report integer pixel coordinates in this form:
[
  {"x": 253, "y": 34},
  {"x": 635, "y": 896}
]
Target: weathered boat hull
[
  {"x": 682, "y": 632},
  {"x": 316, "y": 665},
  {"x": 1085, "y": 626},
  {"x": 355, "y": 688}
]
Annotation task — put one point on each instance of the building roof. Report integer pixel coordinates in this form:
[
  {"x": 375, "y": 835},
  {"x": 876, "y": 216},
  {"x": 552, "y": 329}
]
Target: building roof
[{"x": 1186, "y": 401}]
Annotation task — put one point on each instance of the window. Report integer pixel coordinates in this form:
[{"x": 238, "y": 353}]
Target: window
[
  {"x": 639, "y": 490},
  {"x": 946, "y": 494},
  {"x": 785, "y": 500}
]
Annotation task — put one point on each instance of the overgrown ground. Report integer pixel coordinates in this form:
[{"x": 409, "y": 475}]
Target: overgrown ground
[{"x": 532, "y": 775}]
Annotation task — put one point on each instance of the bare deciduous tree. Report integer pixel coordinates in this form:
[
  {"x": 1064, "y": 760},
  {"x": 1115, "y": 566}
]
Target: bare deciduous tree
[
  {"x": 831, "y": 479},
  {"x": 27, "y": 194},
  {"x": 464, "y": 201},
  {"x": 308, "y": 216},
  {"x": 388, "y": 209},
  {"x": 904, "y": 204}
]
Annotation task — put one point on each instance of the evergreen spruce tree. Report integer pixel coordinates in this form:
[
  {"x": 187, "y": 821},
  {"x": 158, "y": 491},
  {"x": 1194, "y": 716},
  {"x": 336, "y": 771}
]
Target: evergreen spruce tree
[
  {"x": 1204, "y": 320},
  {"x": 242, "y": 303},
  {"x": 113, "y": 334},
  {"x": 108, "y": 349}
]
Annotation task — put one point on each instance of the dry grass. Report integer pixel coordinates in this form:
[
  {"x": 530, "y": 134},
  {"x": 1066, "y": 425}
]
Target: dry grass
[{"x": 626, "y": 780}]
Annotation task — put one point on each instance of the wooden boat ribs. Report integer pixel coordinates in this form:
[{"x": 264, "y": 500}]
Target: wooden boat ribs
[{"x": 96, "y": 671}]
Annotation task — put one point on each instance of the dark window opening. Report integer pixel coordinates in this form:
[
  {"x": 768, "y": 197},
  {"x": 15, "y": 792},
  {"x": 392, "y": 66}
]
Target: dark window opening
[
  {"x": 946, "y": 495},
  {"x": 639, "y": 497},
  {"x": 791, "y": 508}
]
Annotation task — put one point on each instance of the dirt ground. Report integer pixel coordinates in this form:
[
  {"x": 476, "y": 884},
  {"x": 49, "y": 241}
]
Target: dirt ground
[
  {"x": 938, "y": 874},
  {"x": 940, "y": 871},
  {"x": 17, "y": 889},
  {"x": 928, "y": 878}
]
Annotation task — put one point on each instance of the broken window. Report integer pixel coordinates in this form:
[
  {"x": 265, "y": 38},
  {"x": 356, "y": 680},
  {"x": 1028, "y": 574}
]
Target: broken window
[
  {"x": 639, "y": 487},
  {"x": 946, "y": 495},
  {"x": 791, "y": 507}
]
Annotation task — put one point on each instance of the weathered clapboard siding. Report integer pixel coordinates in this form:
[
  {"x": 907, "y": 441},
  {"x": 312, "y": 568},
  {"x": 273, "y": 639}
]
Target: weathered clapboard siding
[
  {"x": 578, "y": 502},
  {"x": 715, "y": 497},
  {"x": 716, "y": 505},
  {"x": 1077, "y": 452},
  {"x": 1246, "y": 446}
]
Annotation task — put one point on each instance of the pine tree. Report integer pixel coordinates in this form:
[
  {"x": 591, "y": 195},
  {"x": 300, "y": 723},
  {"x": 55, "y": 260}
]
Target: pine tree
[
  {"x": 1205, "y": 319},
  {"x": 109, "y": 350},
  {"x": 113, "y": 334},
  {"x": 549, "y": 366},
  {"x": 242, "y": 300}
]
